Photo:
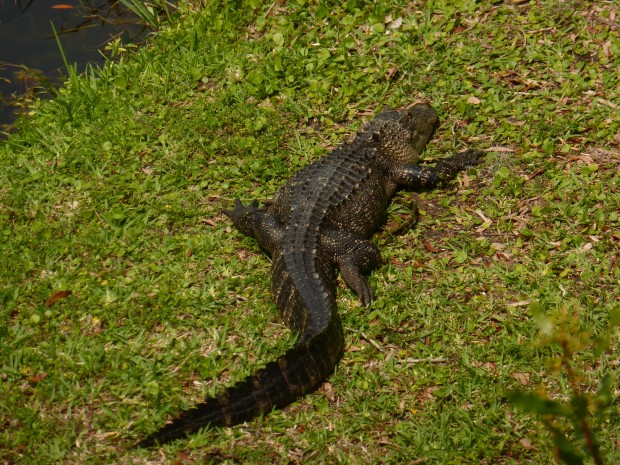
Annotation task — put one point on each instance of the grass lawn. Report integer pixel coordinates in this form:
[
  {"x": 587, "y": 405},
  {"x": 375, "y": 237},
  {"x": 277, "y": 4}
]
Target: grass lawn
[{"x": 126, "y": 296}]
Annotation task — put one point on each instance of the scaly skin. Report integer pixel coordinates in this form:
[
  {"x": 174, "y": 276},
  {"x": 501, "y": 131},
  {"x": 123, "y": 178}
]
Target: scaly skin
[{"x": 320, "y": 221}]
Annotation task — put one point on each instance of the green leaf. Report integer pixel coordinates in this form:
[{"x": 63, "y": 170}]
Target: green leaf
[
  {"x": 534, "y": 403},
  {"x": 548, "y": 146},
  {"x": 568, "y": 453},
  {"x": 579, "y": 404},
  {"x": 460, "y": 256},
  {"x": 349, "y": 42},
  {"x": 601, "y": 345},
  {"x": 322, "y": 11},
  {"x": 605, "y": 394},
  {"x": 614, "y": 316},
  {"x": 278, "y": 38},
  {"x": 503, "y": 172}
]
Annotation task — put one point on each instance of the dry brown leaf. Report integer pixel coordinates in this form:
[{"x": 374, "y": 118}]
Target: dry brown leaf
[
  {"x": 465, "y": 179},
  {"x": 354, "y": 348},
  {"x": 56, "y": 296},
  {"x": 391, "y": 72},
  {"x": 35, "y": 379},
  {"x": 526, "y": 443},
  {"x": 395, "y": 24},
  {"x": 430, "y": 248},
  {"x": 521, "y": 303},
  {"x": 523, "y": 378},
  {"x": 500, "y": 149},
  {"x": 538, "y": 172},
  {"x": 609, "y": 104}
]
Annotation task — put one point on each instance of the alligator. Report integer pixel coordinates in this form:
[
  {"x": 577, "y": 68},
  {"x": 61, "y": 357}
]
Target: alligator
[{"x": 318, "y": 223}]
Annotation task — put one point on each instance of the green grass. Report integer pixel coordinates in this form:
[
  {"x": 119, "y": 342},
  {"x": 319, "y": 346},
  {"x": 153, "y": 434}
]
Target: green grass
[{"x": 114, "y": 192}]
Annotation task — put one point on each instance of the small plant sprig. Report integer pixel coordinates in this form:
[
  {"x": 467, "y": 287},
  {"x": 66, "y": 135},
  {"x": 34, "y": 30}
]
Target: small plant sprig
[{"x": 572, "y": 422}]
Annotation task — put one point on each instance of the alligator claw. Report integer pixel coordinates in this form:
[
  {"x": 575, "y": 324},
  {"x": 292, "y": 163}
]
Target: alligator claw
[{"x": 366, "y": 295}]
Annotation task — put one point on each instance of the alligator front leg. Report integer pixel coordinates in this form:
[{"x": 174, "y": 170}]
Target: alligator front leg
[
  {"x": 354, "y": 256},
  {"x": 258, "y": 223},
  {"x": 415, "y": 176}
]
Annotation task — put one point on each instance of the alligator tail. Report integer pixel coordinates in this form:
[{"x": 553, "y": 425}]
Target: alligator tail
[{"x": 301, "y": 369}]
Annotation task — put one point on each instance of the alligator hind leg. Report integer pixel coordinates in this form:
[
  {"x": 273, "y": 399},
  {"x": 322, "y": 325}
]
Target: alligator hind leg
[
  {"x": 258, "y": 223},
  {"x": 410, "y": 221},
  {"x": 354, "y": 256}
]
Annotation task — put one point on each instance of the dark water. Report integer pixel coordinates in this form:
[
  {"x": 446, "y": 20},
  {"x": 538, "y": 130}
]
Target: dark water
[{"x": 29, "y": 54}]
